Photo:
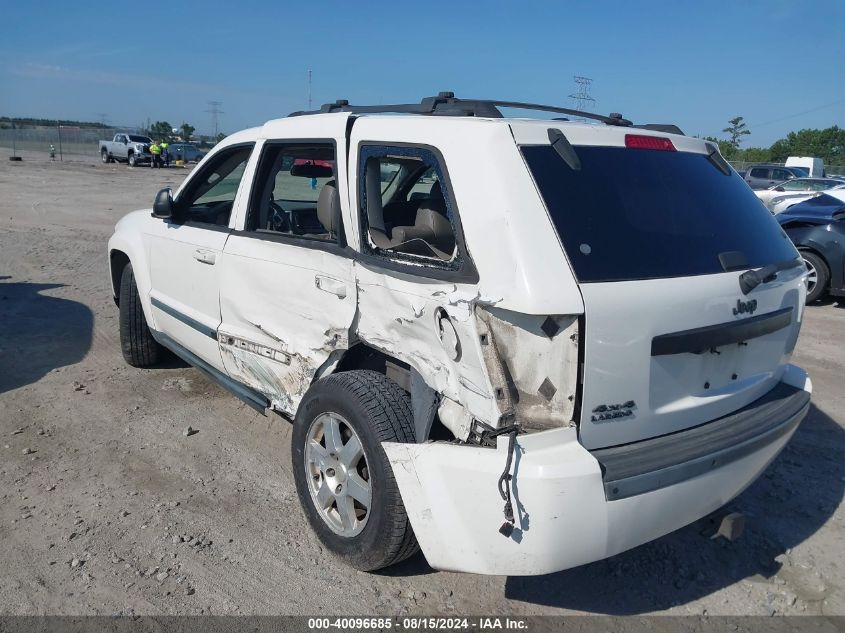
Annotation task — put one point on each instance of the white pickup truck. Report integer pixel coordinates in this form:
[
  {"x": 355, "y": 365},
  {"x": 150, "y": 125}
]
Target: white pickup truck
[
  {"x": 521, "y": 345},
  {"x": 132, "y": 149}
]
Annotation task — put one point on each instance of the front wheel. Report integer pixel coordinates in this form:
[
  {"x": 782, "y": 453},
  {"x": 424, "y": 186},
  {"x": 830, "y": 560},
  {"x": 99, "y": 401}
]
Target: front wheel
[
  {"x": 344, "y": 481},
  {"x": 818, "y": 276},
  {"x": 139, "y": 347},
  {"x": 132, "y": 161}
]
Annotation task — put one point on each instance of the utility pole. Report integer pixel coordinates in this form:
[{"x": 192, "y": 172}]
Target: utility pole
[
  {"x": 59, "y": 129},
  {"x": 582, "y": 96},
  {"x": 215, "y": 111},
  {"x": 309, "y": 89}
]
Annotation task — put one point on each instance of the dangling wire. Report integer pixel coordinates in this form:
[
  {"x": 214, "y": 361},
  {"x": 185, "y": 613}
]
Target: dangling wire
[{"x": 505, "y": 485}]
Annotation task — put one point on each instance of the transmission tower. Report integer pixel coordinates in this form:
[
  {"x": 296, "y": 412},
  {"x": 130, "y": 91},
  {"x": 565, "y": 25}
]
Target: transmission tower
[
  {"x": 309, "y": 88},
  {"x": 104, "y": 118},
  {"x": 582, "y": 96},
  {"x": 215, "y": 112}
]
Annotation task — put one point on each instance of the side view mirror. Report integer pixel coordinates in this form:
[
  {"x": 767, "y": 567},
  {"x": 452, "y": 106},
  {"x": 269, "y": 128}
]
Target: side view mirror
[
  {"x": 779, "y": 189},
  {"x": 163, "y": 205}
]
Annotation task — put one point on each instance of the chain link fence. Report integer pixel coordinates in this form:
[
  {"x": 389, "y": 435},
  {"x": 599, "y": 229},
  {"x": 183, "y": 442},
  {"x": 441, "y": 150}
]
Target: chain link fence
[
  {"x": 830, "y": 170},
  {"x": 67, "y": 140}
]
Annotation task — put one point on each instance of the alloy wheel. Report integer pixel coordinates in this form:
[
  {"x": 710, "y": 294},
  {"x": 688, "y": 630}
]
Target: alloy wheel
[
  {"x": 812, "y": 276},
  {"x": 338, "y": 475}
]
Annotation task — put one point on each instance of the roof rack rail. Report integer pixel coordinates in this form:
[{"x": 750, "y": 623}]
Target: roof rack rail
[{"x": 445, "y": 103}]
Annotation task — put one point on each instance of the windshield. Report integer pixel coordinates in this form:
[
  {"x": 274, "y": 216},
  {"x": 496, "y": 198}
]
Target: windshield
[
  {"x": 643, "y": 214},
  {"x": 139, "y": 139}
]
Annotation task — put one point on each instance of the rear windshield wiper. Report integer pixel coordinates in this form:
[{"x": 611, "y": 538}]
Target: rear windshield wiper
[
  {"x": 564, "y": 149},
  {"x": 750, "y": 279}
]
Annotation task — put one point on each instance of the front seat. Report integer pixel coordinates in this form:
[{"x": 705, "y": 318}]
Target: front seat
[{"x": 328, "y": 209}]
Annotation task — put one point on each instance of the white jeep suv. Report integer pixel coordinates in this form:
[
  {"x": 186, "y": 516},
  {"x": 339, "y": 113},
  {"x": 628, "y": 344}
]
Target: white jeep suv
[{"x": 521, "y": 345}]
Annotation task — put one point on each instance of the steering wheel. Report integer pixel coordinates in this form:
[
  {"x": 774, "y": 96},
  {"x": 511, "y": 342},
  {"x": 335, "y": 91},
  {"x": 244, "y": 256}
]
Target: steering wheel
[{"x": 278, "y": 220}]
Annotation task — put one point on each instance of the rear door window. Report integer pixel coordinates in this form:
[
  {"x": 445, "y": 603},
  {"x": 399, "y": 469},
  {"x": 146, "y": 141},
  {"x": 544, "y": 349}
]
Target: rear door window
[
  {"x": 643, "y": 214},
  {"x": 760, "y": 172},
  {"x": 406, "y": 209}
]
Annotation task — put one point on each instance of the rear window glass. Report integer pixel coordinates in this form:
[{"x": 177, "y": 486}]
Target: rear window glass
[{"x": 643, "y": 214}]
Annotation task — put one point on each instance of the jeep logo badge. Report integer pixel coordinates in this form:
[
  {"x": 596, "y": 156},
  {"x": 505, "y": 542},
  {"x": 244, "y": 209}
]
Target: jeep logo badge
[{"x": 745, "y": 306}]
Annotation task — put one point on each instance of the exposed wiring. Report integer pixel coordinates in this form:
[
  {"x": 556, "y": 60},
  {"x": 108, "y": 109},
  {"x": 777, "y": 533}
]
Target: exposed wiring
[{"x": 505, "y": 481}]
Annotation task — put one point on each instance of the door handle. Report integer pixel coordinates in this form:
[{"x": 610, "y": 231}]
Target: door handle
[
  {"x": 204, "y": 256},
  {"x": 333, "y": 286}
]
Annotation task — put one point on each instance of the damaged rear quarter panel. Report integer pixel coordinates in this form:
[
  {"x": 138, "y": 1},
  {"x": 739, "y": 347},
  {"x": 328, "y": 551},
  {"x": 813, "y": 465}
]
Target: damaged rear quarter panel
[
  {"x": 532, "y": 361},
  {"x": 398, "y": 315}
]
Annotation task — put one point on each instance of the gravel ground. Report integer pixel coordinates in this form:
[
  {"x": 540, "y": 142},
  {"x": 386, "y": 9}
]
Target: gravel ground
[{"x": 108, "y": 507}]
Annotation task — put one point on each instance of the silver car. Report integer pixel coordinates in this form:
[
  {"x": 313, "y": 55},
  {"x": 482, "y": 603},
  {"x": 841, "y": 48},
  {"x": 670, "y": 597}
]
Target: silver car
[{"x": 765, "y": 176}]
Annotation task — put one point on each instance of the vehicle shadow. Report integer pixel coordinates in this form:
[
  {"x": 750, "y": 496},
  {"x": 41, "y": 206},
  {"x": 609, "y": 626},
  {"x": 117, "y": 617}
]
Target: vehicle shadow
[
  {"x": 39, "y": 333},
  {"x": 794, "y": 497}
]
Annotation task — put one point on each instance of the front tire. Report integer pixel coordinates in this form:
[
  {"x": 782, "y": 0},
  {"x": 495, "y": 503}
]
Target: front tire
[
  {"x": 819, "y": 276},
  {"x": 139, "y": 347},
  {"x": 344, "y": 481},
  {"x": 131, "y": 161}
]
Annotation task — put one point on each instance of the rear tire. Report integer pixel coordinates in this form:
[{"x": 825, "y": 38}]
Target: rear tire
[
  {"x": 368, "y": 408},
  {"x": 139, "y": 347},
  {"x": 104, "y": 155},
  {"x": 819, "y": 276}
]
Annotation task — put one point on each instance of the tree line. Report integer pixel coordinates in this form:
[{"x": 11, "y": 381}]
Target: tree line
[
  {"x": 6, "y": 123},
  {"x": 827, "y": 144}
]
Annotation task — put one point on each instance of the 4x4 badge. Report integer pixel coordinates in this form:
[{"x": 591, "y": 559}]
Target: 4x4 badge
[{"x": 745, "y": 306}]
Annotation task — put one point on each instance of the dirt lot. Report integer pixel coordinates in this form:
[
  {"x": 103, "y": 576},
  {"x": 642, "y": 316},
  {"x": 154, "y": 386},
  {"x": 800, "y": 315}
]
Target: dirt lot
[{"x": 100, "y": 487}]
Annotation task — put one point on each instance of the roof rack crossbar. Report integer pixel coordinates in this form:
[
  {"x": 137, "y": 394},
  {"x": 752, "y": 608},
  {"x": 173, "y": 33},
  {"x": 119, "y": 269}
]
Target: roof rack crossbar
[{"x": 446, "y": 103}]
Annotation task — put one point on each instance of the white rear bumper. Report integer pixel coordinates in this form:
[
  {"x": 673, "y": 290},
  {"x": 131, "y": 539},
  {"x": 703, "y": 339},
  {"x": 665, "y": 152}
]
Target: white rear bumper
[{"x": 563, "y": 518}]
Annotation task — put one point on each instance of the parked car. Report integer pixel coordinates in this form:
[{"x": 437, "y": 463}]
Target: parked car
[
  {"x": 795, "y": 188},
  {"x": 133, "y": 149},
  {"x": 185, "y": 151},
  {"x": 817, "y": 228},
  {"x": 782, "y": 203},
  {"x": 765, "y": 176},
  {"x": 516, "y": 393}
]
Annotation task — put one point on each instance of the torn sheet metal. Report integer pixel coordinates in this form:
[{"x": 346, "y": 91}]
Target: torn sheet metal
[
  {"x": 425, "y": 326},
  {"x": 532, "y": 362}
]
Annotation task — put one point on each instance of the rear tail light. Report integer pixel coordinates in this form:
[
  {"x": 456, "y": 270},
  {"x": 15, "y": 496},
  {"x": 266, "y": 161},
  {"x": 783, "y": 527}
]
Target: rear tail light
[{"x": 640, "y": 141}]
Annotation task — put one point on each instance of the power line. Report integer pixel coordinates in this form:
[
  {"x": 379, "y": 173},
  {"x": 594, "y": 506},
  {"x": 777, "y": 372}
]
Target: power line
[
  {"x": 215, "y": 112},
  {"x": 791, "y": 116}
]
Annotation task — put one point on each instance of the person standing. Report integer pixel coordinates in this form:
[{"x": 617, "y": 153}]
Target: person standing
[
  {"x": 155, "y": 150},
  {"x": 165, "y": 153}
]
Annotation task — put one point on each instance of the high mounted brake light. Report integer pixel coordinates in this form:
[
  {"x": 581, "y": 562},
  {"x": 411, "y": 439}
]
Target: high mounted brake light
[{"x": 640, "y": 141}]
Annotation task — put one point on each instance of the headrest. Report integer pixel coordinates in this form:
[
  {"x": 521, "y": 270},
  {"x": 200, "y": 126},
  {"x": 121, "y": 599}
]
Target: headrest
[
  {"x": 328, "y": 207},
  {"x": 436, "y": 191},
  {"x": 433, "y": 222},
  {"x": 375, "y": 212}
]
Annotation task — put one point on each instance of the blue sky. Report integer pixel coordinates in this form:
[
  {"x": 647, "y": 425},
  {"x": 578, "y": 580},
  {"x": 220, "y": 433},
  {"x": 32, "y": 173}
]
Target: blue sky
[{"x": 778, "y": 63}]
